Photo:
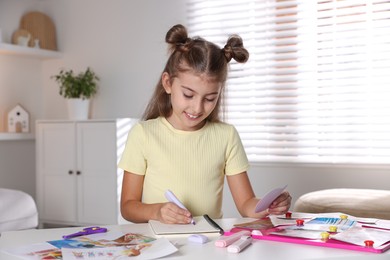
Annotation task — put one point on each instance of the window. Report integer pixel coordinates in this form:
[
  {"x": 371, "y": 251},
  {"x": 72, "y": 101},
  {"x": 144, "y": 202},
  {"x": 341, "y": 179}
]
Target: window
[{"x": 316, "y": 88}]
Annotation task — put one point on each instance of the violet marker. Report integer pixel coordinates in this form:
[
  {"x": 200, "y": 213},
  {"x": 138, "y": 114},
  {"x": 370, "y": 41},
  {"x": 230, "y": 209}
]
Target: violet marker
[{"x": 172, "y": 198}]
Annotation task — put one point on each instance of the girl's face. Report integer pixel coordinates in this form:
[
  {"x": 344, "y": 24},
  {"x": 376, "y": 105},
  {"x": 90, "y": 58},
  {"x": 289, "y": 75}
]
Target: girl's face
[{"x": 193, "y": 99}]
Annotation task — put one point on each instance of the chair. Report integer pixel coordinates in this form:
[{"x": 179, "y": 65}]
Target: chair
[
  {"x": 366, "y": 203},
  {"x": 17, "y": 210}
]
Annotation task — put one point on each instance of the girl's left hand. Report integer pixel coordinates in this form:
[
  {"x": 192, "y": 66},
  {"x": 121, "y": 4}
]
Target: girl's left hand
[{"x": 281, "y": 204}]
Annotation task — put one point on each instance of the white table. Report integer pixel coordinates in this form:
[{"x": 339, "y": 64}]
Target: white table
[{"x": 260, "y": 249}]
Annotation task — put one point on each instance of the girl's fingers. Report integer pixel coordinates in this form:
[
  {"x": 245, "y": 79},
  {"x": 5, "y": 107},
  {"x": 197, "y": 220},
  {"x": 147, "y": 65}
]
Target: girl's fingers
[
  {"x": 281, "y": 204},
  {"x": 172, "y": 214}
]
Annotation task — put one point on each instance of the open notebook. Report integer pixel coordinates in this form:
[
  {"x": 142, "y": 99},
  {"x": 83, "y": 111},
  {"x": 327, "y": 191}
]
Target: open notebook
[{"x": 201, "y": 226}]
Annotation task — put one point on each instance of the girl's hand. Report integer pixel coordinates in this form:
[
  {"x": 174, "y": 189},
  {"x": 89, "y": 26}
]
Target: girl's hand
[
  {"x": 281, "y": 204},
  {"x": 170, "y": 213}
]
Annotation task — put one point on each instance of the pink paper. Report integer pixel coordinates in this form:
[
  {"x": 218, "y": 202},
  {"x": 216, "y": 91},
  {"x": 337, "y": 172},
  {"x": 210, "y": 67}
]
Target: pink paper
[{"x": 267, "y": 199}]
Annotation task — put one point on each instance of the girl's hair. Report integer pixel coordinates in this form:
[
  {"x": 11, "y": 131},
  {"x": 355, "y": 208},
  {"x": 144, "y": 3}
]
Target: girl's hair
[{"x": 200, "y": 57}]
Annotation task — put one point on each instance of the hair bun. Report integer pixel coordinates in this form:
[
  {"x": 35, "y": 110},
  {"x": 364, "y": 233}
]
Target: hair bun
[
  {"x": 177, "y": 37},
  {"x": 234, "y": 48}
]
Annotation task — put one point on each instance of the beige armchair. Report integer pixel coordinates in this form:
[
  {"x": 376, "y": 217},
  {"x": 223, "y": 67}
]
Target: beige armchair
[{"x": 367, "y": 203}]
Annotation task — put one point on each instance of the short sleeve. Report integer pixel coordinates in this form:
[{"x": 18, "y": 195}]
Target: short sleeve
[
  {"x": 133, "y": 157},
  {"x": 236, "y": 159}
]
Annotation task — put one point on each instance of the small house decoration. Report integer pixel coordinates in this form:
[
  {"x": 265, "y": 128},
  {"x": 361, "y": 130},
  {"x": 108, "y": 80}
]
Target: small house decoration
[{"x": 18, "y": 120}]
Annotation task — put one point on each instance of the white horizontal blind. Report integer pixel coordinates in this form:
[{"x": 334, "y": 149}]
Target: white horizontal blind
[{"x": 317, "y": 85}]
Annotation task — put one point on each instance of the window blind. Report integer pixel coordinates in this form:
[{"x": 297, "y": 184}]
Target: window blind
[{"x": 316, "y": 88}]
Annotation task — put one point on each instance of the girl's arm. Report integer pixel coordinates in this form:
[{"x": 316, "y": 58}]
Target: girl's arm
[
  {"x": 245, "y": 199},
  {"x": 134, "y": 210}
]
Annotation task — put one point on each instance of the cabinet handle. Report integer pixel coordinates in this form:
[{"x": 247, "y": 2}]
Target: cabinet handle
[
  {"x": 78, "y": 172},
  {"x": 70, "y": 172}
]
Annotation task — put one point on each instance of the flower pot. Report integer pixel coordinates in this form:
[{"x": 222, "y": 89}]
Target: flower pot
[{"x": 78, "y": 109}]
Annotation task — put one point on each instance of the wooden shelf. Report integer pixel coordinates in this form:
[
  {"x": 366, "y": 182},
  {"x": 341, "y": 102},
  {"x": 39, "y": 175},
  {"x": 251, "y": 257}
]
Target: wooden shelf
[
  {"x": 12, "y": 49},
  {"x": 16, "y": 136}
]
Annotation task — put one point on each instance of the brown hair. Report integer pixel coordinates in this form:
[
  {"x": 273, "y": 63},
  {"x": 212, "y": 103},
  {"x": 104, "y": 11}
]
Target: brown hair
[{"x": 202, "y": 58}]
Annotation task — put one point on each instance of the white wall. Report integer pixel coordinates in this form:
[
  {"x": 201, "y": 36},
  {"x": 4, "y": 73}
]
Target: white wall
[
  {"x": 20, "y": 78},
  {"x": 123, "y": 42},
  {"x": 20, "y": 82}
]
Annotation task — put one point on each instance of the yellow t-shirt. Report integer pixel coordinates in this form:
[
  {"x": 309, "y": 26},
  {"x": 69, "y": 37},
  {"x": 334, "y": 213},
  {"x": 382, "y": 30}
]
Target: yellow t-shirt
[{"x": 192, "y": 164}]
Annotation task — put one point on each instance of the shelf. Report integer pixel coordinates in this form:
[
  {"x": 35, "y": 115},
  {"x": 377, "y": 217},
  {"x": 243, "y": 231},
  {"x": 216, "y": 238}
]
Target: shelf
[
  {"x": 12, "y": 49},
  {"x": 16, "y": 136}
]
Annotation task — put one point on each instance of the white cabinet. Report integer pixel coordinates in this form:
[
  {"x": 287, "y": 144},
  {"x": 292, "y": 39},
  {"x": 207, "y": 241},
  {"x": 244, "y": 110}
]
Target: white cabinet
[{"x": 78, "y": 182}]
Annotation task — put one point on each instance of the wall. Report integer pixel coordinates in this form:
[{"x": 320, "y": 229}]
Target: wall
[
  {"x": 123, "y": 42},
  {"x": 20, "y": 82},
  {"x": 20, "y": 78},
  {"x": 119, "y": 40}
]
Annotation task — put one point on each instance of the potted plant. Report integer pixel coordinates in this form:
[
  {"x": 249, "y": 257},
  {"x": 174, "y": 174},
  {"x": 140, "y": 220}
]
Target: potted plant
[{"x": 78, "y": 90}]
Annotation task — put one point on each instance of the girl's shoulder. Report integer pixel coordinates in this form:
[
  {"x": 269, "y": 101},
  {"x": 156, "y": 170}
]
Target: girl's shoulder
[
  {"x": 224, "y": 132},
  {"x": 144, "y": 128},
  {"x": 150, "y": 124},
  {"x": 221, "y": 126}
]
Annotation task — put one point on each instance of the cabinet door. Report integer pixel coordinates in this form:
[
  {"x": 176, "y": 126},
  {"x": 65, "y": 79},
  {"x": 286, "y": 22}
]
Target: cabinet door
[
  {"x": 97, "y": 181},
  {"x": 56, "y": 178}
]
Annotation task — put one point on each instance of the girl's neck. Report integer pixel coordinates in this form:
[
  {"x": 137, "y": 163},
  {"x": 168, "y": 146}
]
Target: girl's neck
[{"x": 171, "y": 122}]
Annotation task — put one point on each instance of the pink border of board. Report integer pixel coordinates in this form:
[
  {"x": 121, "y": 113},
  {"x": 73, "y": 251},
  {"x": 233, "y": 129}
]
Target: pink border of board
[{"x": 328, "y": 243}]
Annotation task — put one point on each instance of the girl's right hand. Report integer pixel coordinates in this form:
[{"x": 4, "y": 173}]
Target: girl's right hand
[{"x": 170, "y": 213}]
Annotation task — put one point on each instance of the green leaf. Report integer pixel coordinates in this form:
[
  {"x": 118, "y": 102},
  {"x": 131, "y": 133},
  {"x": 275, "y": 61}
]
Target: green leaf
[{"x": 82, "y": 85}]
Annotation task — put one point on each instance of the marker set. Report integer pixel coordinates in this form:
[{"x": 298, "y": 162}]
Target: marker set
[{"x": 236, "y": 242}]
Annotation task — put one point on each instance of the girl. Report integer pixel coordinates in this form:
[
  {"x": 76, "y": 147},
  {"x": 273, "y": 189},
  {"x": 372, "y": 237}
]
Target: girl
[{"x": 182, "y": 145}]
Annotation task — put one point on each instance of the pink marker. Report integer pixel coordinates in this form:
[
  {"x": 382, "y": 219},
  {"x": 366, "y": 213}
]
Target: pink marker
[
  {"x": 240, "y": 244},
  {"x": 225, "y": 241}
]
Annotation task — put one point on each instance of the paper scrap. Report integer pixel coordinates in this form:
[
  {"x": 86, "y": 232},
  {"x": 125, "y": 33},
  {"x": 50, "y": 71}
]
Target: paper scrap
[{"x": 268, "y": 198}]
